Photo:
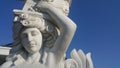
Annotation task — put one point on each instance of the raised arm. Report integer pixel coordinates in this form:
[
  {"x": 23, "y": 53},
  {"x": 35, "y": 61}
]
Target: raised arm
[{"x": 66, "y": 26}]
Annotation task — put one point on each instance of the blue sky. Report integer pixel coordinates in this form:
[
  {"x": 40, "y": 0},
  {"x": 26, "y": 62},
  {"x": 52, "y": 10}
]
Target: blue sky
[{"x": 98, "y": 29}]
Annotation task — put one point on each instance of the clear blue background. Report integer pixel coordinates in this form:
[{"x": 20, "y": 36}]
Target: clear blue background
[{"x": 98, "y": 29}]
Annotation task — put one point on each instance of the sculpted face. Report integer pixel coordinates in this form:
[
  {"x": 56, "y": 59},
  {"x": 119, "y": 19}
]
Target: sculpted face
[{"x": 31, "y": 39}]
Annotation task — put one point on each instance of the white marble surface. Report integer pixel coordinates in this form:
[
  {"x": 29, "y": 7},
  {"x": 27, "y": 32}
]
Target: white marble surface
[
  {"x": 42, "y": 33},
  {"x": 4, "y": 50}
]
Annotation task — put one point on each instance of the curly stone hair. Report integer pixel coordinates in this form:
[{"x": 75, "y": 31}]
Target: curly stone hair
[{"x": 27, "y": 19}]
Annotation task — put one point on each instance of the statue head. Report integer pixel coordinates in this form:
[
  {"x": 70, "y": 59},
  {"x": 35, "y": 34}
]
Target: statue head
[
  {"x": 31, "y": 40},
  {"x": 32, "y": 32}
]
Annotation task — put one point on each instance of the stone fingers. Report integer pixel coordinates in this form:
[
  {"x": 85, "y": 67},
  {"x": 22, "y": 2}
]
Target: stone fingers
[
  {"x": 89, "y": 62},
  {"x": 83, "y": 58},
  {"x": 75, "y": 56}
]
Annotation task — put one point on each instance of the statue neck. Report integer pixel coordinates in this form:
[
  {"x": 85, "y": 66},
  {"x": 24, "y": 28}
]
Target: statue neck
[{"x": 34, "y": 58}]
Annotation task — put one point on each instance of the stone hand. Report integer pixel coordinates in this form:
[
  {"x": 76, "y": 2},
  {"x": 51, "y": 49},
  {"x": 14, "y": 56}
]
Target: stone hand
[{"x": 79, "y": 60}]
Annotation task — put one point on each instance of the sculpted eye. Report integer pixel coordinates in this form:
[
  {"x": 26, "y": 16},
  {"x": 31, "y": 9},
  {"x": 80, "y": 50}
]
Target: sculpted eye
[{"x": 34, "y": 33}]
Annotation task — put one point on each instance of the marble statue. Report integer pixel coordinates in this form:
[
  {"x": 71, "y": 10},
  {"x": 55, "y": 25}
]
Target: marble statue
[{"x": 42, "y": 33}]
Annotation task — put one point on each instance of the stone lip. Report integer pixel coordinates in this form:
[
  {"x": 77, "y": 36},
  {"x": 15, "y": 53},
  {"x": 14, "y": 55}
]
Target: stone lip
[{"x": 4, "y": 50}]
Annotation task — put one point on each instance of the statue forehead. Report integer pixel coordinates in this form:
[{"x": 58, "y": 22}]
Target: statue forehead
[{"x": 29, "y": 30}]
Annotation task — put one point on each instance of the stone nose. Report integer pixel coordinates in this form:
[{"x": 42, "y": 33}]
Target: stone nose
[{"x": 30, "y": 38}]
